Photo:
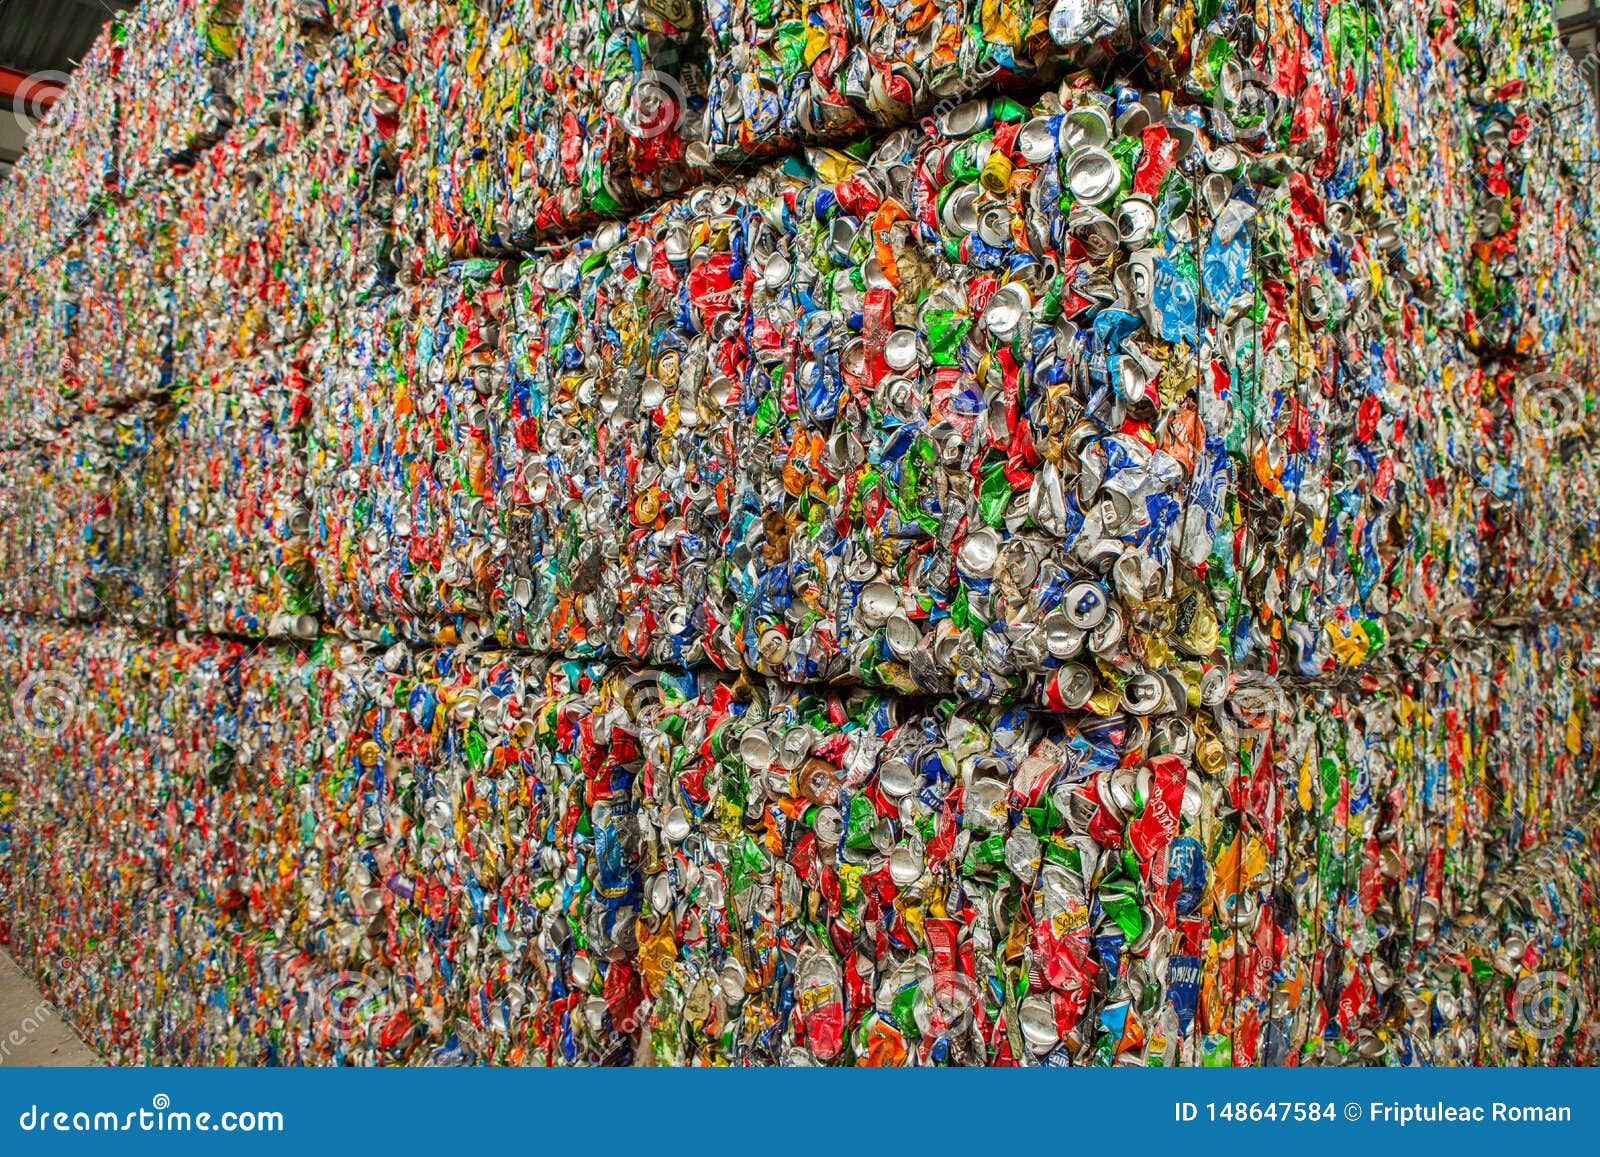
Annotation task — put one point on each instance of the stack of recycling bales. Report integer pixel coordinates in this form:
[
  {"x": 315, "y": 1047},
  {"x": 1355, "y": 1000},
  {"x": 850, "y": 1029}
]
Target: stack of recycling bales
[{"x": 746, "y": 534}]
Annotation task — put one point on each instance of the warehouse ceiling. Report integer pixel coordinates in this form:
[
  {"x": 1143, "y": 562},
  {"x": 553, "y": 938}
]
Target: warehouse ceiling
[
  {"x": 37, "y": 35},
  {"x": 44, "y": 36}
]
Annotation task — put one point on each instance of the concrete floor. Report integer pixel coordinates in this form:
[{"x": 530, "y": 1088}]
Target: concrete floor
[{"x": 31, "y": 1032}]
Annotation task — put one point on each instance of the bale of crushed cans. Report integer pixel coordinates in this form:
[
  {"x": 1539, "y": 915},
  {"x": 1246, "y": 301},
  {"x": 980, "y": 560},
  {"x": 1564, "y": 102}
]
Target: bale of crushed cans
[
  {"x": 403, "y": 476},
  {"x": 228, "y": 285},
  {"x": 175, "y": 83},
  {"x": 53, "y": 496},
  {"x": 122, "y": 274},
  {"x": 904, "y": 419},
  {"x": 525, "y": 119},
  {"x": 131, "y": 557},
  {"x": 237, "y": 520},
  {"x": 253, "y": 232},
  {"x": 743, "y": 533},
  {"x": 788, "y": 74},
  {"x": 39, "y": 314}
]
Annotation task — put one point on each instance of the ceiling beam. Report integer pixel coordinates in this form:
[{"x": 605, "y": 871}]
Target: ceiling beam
[{"x": 41, "y": 93}]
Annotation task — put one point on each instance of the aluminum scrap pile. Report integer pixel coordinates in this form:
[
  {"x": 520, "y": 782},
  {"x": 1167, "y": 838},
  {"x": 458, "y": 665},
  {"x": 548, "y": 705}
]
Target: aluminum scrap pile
[
  {"x": 482, "y": 855},
  {"x": 733, "y": 533}
]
